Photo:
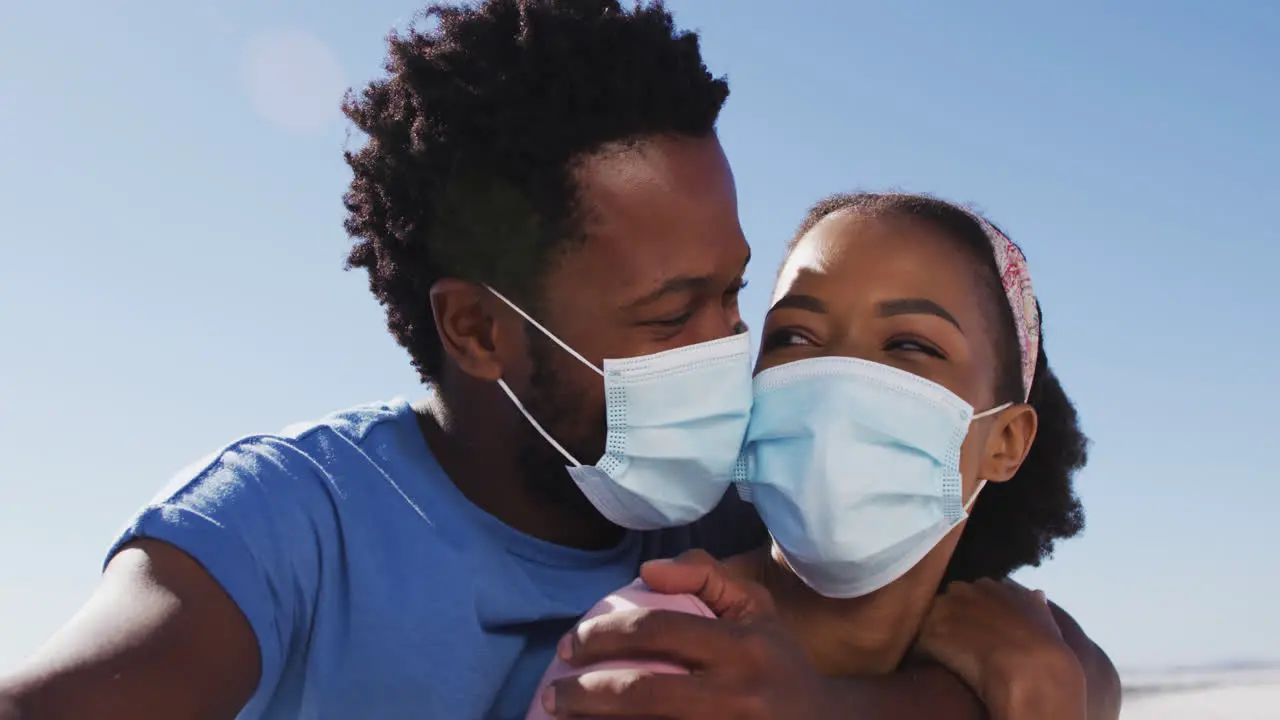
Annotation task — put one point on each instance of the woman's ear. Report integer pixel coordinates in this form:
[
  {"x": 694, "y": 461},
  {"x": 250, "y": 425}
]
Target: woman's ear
[
  {"x": 1009, "y": 442},
  {"x": 468, "y": 327}
]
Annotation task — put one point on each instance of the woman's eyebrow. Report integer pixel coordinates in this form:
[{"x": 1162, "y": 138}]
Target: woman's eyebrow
[
  {"x": 800, "y": 302},
  {"x": 916, "y": 306}
]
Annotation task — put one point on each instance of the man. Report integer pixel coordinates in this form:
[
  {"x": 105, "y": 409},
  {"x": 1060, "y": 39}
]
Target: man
[{"x": 423, "y": 562}]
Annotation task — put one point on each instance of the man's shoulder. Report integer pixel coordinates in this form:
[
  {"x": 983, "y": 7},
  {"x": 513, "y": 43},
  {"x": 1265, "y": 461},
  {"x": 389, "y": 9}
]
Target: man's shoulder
[
  {"x": 273, "y": 501},
  {"x": 272, "y": 517},
  {"x": 301, "y": 449},
  {"x": 354, "y": 424}
]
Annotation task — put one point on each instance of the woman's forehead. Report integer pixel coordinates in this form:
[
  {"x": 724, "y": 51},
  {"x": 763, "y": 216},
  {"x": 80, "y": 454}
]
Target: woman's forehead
[{"x": 844, "y": 257}]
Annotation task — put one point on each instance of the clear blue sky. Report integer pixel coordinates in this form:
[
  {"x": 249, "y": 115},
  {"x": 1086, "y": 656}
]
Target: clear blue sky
[{"x": 171, "y": 277}]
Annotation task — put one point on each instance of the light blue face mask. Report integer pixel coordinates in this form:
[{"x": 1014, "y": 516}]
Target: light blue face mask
[
  {"x": 854, "y": 466},
  {"x": 675, "y": 419}
]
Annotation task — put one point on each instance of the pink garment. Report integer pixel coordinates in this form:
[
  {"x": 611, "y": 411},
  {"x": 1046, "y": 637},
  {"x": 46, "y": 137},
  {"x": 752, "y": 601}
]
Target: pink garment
[
  {"x": 1016, "y": 279},
  {"x": 635, "y": 595}
]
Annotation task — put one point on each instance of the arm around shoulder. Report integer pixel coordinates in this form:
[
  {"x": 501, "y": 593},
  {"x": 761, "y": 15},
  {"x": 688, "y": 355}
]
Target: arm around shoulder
[
  {"x": 8, "y": 707},
  {"x": 918, "y": 690},
  {"x": 1074, "y": 677},
  {"x": 159, "y": 632},
  {"x": 1101, "y": 678}
]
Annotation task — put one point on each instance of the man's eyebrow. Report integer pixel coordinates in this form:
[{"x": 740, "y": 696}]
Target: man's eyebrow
[
  {"x": 685, "y": 283},
  {"x": 681, "y": 284},
  {"x": 800, "y": 302},
  {"x": 916, "y": 306}
]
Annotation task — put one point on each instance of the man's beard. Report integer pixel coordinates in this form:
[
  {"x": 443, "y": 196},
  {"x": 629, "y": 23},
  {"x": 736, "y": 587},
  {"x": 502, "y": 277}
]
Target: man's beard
[{"x": 562, "y": 412}]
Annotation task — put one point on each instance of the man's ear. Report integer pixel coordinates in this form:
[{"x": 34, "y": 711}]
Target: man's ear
[
  {"x": 468, "y": 327},
  {"x": 1009, "y": 442}
]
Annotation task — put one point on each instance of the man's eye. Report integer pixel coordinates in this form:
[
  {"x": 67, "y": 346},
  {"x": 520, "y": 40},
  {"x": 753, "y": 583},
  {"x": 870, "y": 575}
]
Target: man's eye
[
  {"x": 738, "y": 286},
  {"x": 672, "y": 322}
]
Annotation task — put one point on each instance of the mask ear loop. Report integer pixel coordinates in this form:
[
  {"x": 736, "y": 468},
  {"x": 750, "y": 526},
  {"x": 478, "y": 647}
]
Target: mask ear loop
[
  {"x": 545, "y": 435},
  {"x": 974, "y": 497},
  {"x": 992, "y": 411},
  {"x": 983, "y": 483},
  {"x": 519, "y": 405},
  {"x": 563, "y": 346}
]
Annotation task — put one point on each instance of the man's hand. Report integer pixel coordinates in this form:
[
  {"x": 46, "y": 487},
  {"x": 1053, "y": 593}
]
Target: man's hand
[
  {"x": 1002, "y": 640},
  {"x": 745, "y": 664},
  {"x": 699, "y": 574}
]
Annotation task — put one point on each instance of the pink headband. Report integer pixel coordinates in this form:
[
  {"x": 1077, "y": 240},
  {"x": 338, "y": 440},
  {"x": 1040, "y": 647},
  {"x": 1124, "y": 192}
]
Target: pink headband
[{"x": 1016, "y": 279}]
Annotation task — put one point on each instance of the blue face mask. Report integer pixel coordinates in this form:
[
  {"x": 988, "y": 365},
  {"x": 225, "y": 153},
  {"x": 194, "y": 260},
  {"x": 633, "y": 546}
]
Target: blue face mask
[
  {"x": 854, "y": 466},
  {"x": 676, "y": 420}
]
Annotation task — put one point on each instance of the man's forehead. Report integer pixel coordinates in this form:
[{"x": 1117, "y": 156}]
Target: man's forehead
[
  {"x": 660, "y": 217},
  {"x": 634, "y": 274},
  {"x": 661, "y": 165}
]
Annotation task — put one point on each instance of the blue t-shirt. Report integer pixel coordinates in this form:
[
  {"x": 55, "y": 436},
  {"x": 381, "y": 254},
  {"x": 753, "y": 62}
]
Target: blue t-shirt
[{"x": 375, "y": 588}]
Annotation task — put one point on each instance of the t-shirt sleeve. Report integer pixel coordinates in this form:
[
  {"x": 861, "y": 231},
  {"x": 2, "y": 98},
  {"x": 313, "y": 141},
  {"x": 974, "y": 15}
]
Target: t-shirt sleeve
[
  {"x": 635, "y": 595},
  {"x": 256, "y": 517}
]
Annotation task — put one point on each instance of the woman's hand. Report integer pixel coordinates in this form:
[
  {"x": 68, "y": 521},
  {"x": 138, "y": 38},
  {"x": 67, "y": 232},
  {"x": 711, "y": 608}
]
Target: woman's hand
[{"x": 1002, "y": 640}]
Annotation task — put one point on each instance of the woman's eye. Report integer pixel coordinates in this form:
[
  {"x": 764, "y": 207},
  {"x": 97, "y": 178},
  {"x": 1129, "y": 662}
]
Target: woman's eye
[
  {"x": 914, "y": 345},
  {"x": 785, "y": 338}
]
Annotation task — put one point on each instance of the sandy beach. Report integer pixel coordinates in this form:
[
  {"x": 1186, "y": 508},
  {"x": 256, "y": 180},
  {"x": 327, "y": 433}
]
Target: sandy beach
[{"x": 1240, "y": 694}]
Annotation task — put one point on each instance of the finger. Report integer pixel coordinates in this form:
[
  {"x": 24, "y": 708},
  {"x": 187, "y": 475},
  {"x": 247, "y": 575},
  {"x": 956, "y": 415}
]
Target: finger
[
  {"x": 1021, "y": 589},
  {"x": 682, "y": 574},
  {"x": 936, "y": 631},
  {"x": 627, "y": 693},
  {"x": 689, "y": 640},
  {"x": 1010, "y": 582},
  {"x": 697, "y": 573},
  {"x": 696, "y": 556},
  {"x": 988, "y": 586},
  {"x": 958, "y": 589},
  {"x": 1037, "y": 596}
]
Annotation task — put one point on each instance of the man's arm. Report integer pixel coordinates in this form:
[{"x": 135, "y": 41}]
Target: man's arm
[
  {"x": 917, "y": 690},
  {"x": 1100, "y": 674},
  {"x": 159, "y": 637},
  {"x": 752, "y": 666},
  {"x": 923, "y": 690},
  {"x": 927, "y": 690},
  {"x": 8, "y": 709}
]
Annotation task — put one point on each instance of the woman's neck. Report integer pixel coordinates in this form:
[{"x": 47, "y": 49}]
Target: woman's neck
[{"x": 855, "y": 636}]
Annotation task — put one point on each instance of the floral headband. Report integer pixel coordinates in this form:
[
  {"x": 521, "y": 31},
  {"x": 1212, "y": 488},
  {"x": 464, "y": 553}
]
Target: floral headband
[{"x": 1015, "y": 277}]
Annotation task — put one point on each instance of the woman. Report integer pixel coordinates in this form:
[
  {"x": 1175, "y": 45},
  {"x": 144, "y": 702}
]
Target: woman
[{"x": 906, "y": 433}]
